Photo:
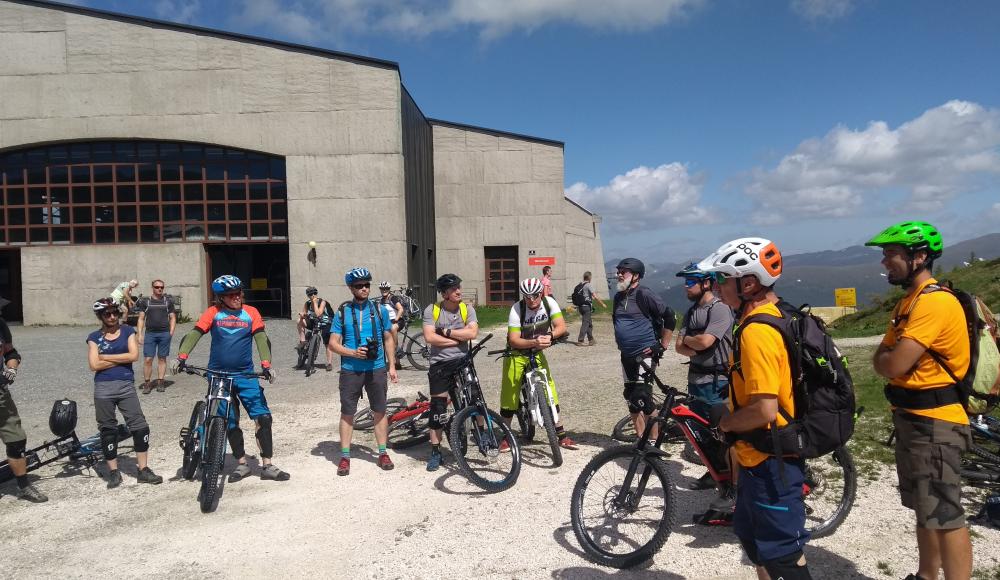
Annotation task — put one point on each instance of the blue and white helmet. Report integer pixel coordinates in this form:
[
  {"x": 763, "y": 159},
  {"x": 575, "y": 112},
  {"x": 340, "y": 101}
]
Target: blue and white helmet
[
  {"x": 226, "y": 283},
  {"x": 356, "y": 275}
]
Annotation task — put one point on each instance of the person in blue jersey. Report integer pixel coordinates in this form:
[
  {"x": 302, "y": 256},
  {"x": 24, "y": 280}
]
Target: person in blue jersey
[
  {"x": 360, "y": 331},
  {"x": 235, "y": 328},
  {"x": 644, "y": 326}
]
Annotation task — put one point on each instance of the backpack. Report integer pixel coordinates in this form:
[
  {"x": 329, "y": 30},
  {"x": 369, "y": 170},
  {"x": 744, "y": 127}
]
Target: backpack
[
  {"x": 822, "y": 388},
  {"x": 462, "y": 309},
  {"x": 375, "y": 321},
  {"x": 661, "y": 320},
  {"x": 979, "y": 389},
  {"x": 578, "y": 298}
]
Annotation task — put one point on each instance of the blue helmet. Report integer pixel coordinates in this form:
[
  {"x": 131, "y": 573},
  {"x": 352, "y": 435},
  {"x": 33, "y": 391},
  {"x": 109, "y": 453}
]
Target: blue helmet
[
  {"x": 357, "y": 274},
  {"x": 226, "y": 283},
  {"x": 693, "y": 271}
]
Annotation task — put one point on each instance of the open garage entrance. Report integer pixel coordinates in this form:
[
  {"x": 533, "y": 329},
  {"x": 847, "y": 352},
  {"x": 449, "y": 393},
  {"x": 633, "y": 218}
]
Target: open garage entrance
[
  {"x": 263, "y": 268},
  {"x": 10, "y": 283}
]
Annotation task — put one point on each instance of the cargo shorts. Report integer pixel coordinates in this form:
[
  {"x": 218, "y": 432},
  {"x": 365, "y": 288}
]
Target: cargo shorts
[
  {"x": 10, "y": 423},
  {"x": 929, "y": 463}
]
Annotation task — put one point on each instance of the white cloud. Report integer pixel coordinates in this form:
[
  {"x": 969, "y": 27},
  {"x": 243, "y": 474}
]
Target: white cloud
[
  {"x": 177, "y": 10},
  {"x": 646, "y": 198},
  {"x": 943, "y": 152},
  {"x": 288, "y": 20},
  {"x": 815, "y": 10}
]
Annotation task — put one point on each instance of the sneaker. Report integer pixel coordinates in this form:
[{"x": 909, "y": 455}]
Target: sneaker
[
  {"x": 384, "y": 462},
  {"x": 435, "y": 461},
  {"x": 592, "y": 342},
  {"x": 567, "y": 443},
  {"x": 344, "y": 467},
  {"x": 273, "y": 473},
  {"x": 581, "y": 343},
  {"x": 242, "y": 470},
  {"x": 114, "y": 479},
  {"x": 31, "y": 493},
  {"x": 703, "y": 482},
  {"x": 147, "y": 386},
  {"x": 504, "y": 447},
  {"x": 329, "y": 367},
  {"x": 146, "y": 475},
  {"x": 713, "y": 518},
  {"x": 160, "y": 386}
]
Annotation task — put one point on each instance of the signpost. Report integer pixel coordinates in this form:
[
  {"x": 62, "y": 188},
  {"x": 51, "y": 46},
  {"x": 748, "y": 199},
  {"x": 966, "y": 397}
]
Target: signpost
[
  {"x": 542, "y": 261},
  {"x": 846, "y": 297}
]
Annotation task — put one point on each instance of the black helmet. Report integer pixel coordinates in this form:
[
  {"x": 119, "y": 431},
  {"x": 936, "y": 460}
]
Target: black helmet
[
  {"x": 311, "y": 291},
  {"x": 634, "y": 265},
  {"x": 447, "y": 282}
]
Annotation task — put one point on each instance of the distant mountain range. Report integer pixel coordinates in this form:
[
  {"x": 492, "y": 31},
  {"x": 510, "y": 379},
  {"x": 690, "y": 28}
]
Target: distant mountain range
[{"x": 810, "y": 278}]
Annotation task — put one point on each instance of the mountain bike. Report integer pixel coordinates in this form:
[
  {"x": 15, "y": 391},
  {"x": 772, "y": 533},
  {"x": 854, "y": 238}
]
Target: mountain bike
[
  {"x": 203, "y": 440},
  {"x": 623, "y": 506},
  {"x": 312, "y": 346},
  {"x": 87, "y": 450},
  {"x": 364, "y": 418},
  {"x": 536, "y": 406},
  {"x": 476, "y": 431},
  {"x": 413, "y": 345}
]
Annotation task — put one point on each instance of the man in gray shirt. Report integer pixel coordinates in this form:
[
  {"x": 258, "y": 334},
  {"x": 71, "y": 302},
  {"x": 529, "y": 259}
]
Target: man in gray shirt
[
  {"x": 583, "y": 298},
  {"x": 449, "y": 327}
]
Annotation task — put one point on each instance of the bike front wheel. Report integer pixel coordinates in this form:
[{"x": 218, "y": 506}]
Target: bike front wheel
[
  {"x": 314, "y": 343},
  {"x": 418, "y": 353},
  {"x": 831, "y": 482},
  {"x": 364, "y": 419},
  {"x": 475, "y": 440},
  {"x": 215, "y": 456},
  {"x": 525, "y": 422},
  {"x": 550, "y": 423},
  {"x": 409, "y": 432},
  {"x": 192, "y": 440},
  {"x": 622, "y": 507}
]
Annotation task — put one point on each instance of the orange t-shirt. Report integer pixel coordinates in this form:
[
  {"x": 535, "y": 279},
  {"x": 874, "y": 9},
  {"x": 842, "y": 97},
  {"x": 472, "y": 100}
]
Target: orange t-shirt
[
  {"x": 766, "y": 370},
  {"x": 936, "y": 321}
]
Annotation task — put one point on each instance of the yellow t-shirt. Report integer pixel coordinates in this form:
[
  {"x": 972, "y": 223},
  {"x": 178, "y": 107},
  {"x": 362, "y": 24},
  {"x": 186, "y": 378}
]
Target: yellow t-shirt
[
  {"x": 937, "y": 322},
  {"x": 765, "y": 371}
]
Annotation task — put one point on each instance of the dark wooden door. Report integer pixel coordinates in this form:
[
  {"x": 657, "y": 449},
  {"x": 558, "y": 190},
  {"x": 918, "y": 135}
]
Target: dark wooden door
[
  {"x": 501, "y": 275},
  {"x": 10, "y": 283}
]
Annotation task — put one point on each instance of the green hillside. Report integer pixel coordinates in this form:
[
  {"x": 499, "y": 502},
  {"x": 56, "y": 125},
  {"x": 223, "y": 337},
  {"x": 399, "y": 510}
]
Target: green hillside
[{"x": 981, "y": 278}]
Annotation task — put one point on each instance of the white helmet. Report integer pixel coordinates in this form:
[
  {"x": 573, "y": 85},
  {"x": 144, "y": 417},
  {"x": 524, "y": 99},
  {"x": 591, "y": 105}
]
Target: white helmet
[
  {"x": 745, "y": 256},
  {"x": 531, "y": 286},
  {"x": 384, "y": 285}
]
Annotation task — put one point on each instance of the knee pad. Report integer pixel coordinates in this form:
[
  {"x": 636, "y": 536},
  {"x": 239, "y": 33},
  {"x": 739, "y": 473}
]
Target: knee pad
[
  {"x": 109, "y": 443},
  {"x": 507, "y": 413},
  {"x": 264, "y": 438},
  {"x": 140, "y": 440},
  {"x": 639, "y": 398},
  {"x": 235, "y": 437},
  {"x": 16, "y": 449},
  {"x": 787, "y": 568},
  {"x": 439, "y": 412}
]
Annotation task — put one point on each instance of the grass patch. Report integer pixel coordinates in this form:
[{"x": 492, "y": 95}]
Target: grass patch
[
  {"x": 885, "y": 568},
  {"x": 992, "y": 573},
  {"x": 875, "y": 424}
]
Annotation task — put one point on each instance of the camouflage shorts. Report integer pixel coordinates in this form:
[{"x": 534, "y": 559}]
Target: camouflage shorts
[{"x": 929, "y": 462}]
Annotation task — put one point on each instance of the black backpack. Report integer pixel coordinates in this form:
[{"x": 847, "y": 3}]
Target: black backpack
[
  {"x": 822, "y": 387},
  {"x": 578, "y": 298}
]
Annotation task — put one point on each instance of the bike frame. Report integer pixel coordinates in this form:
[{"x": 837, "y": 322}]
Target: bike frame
[
  {"x": 467, "y": 392},
  {"x": 535, "y": 372}
]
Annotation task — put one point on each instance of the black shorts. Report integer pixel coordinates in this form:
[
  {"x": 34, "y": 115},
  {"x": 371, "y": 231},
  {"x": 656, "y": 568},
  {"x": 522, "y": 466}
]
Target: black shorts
[
  {"x": 353, "y": 382},
  {"x": 441, "y": 375}
]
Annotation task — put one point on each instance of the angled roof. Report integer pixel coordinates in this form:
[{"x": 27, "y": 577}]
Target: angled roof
[
  {"x": 496, "y": 132},
  {"x": 153, "y": 23}
]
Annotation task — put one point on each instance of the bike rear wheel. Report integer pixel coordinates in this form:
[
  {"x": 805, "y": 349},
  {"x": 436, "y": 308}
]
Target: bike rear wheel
[
  {"x": 215, "y": 456},
  {"x": 550, "y": 424},
  {"x": 409, "y": 432},
  {"x": 192, "y": 442},
  {"x": 475, "y": 440},
  {"x": 418, "y": 353},
  {"x": 364, "y": 419},
  {"x": 621, "y": 525},
  {"x": 831, "y": 482}
]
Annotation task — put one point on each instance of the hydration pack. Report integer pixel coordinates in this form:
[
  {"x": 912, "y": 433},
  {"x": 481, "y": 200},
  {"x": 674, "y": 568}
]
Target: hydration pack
[
  {"x": 62, "y": 419},
  {"x": 822, "y": 388}
]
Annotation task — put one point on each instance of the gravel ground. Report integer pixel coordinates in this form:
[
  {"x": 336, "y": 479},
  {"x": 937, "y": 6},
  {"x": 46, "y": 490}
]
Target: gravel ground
[{"x": 401, "y": 524}]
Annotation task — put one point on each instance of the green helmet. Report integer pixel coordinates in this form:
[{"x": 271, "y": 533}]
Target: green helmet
[{"x": 912, "y": 235}]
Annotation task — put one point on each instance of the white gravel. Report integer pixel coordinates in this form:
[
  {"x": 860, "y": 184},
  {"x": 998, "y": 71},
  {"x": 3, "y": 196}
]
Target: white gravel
[{"x": 406, "y": 523}]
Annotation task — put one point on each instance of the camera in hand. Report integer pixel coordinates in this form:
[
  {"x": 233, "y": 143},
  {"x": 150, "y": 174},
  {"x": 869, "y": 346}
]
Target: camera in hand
[{"x": 372, "y": 345}]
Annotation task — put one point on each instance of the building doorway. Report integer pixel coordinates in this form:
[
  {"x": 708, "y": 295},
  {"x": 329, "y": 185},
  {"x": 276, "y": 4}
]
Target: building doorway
[
  {"x": 501, "y": 275},
  {"x": 10, "y": 283},
  {"x": 263, "y": 268}
]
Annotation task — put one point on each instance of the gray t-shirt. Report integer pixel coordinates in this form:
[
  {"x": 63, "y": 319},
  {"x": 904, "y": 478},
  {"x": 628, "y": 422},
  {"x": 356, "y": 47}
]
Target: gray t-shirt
[
  {"x": 716, "y": 319},
  {"x": 451, "y": 320},
  {"x": 588, "y": 293}
]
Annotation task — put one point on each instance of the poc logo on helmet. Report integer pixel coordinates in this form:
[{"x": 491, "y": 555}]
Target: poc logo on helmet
[{"x": 748, "y": 251}]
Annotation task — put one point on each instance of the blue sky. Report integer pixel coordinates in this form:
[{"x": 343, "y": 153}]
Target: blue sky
[{"x": 689, "y": 122}]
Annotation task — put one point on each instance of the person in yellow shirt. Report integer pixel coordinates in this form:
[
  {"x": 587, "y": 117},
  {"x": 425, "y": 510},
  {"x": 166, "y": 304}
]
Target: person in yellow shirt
[
  {"x": 769, "y": 519},
  {"x": 924, "y": 352}
]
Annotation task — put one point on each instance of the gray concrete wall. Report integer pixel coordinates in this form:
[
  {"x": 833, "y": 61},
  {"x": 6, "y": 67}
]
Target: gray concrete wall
[
  {"x": 583, "y": 249},
  {"x": 66, "y": 76},
  {"x": 499, "y": 190},
  {"x": 61, "y": 283}
]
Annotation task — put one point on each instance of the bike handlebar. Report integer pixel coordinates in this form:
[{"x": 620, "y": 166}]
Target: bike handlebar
[
  {"x": 205, "y": 372},
  {"x": 508, "y": 351}
]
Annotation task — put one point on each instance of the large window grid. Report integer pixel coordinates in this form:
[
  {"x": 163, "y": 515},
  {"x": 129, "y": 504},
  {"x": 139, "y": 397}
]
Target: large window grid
[{"x": 140, "y": 192}]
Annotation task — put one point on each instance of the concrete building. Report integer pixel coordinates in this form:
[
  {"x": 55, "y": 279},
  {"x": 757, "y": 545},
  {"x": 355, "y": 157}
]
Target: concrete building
[{"x": 132, "y": 148}]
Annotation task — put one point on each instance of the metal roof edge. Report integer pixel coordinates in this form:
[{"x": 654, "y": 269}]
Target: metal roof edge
[{"x": 498, "y": 132}]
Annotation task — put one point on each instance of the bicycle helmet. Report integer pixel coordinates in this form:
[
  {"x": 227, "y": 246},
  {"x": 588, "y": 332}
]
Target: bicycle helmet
[
  {"x": 913, "y": 236},
  {"x": 531, "y": 286},
  {"x": 311, "y": 291},
  {"x": 447, "y": 282},
  {"x": 692, "y": 271},
  {"x": 745, "y": 256},
  {"x": 357, "y": 275},
  {"x": 384, "y": 285},
  {"x": 633, "y": 265},
  {"x": 226, "y": 284},
  {"x": 104, "y": 304}
]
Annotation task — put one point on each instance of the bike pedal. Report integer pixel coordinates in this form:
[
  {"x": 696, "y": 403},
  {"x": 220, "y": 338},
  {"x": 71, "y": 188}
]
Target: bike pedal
[{"x": 185, "y": 431}]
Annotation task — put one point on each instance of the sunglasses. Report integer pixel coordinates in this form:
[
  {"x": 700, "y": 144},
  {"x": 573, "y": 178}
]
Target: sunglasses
[
  {"x": 360, "y": 286},
  {"x": 109, "y": 313},
  {"x": 691, "y": 282},
  {"x": 623, "y": 272},
  {"x": 534, "y": 296},
  {"x": 158, "y": 287}
]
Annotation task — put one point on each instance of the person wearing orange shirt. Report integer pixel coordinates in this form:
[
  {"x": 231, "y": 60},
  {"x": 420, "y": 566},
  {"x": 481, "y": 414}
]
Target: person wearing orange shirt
[
  {"x": 769, "y": 519},
  {"x": 925, "y": 351}
]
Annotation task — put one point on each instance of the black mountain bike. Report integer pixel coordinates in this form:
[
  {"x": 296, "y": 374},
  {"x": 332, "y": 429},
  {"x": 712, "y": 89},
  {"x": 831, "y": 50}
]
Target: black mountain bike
[
  {"x": 313, "y": 345},
  {"x": 623, "y": 506},
  {"x": 86, "y": 451},
  {"x": 204, "y": 438},
  {"x": 413, "y": 345},
  {"x": 476, "y": 432}
]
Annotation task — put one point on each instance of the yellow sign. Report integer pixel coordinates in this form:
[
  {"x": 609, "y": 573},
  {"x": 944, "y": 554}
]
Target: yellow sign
[
  {"x": 258, "y": 283},
  {"x": 846, "y": 296}
]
